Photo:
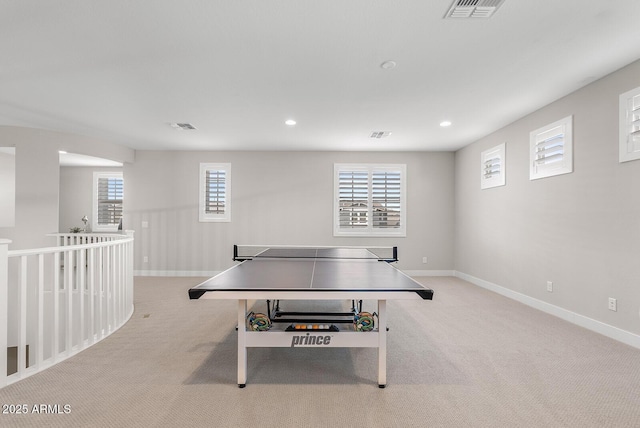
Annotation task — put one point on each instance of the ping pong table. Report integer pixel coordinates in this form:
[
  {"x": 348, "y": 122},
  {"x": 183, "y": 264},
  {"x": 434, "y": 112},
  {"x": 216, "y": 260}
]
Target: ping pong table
[{"x": 275, "y": 273}]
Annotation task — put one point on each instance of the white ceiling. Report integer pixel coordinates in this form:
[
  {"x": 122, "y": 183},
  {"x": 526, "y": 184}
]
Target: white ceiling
[{"x": 125, "y": 70}]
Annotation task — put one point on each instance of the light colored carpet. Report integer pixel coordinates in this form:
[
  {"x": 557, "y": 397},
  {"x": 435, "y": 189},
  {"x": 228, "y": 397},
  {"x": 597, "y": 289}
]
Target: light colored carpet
[{"x": 469, "y": 358}]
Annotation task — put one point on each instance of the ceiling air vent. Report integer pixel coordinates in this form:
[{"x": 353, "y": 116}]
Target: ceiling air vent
[
  {"x": 473, "y": 9},
  {"x": 183, "y": 126},
  {"x": 380, "y": 134}
]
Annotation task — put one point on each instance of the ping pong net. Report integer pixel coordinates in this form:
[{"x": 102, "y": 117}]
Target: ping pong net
[{"x": 251, "y": 252}]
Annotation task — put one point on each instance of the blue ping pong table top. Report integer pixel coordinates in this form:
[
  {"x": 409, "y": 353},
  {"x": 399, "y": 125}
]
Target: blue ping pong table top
[{"x": 312, "y": 269}]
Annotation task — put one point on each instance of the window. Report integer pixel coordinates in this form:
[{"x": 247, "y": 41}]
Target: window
[
  {"x": 108, "y": 190},
  {"x": 492, "y": 165},
  {"x": 215, "y": 192},
  {"x": 369, "y": 200},
  {"x": 630, "y": 125},
  {"x": 551, "y": 150}
]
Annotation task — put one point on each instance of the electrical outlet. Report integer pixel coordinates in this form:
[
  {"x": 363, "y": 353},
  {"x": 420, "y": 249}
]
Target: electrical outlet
[
  {"x": 424, "y": 259},
  {"x": 550, "y": 286},
  {"x": 145, "y": 224},
  {"x": 613, "y": 304},
  {"x": 145, "y": 259}
]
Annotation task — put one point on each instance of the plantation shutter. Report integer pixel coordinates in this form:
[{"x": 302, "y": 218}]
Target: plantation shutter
[
  {"x": 630, "y": 125},
  {"x": 386, "y": 199},
  {"x": 354, "y": 199},
  {"x": 110, "y": 196},
  {"x": 551, "y": 149},
  {"x": 634, "y": 124},
  {"x": 370, "y": 200},
  {"x": 216, "y": 192},
  {"x": 493, "y": 167}
]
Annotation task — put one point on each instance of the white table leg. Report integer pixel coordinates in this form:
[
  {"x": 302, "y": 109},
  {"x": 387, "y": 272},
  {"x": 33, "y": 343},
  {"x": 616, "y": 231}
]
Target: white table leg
[
  {"x": 242, "y": 343},
  {"x": 382, "y": 343}
]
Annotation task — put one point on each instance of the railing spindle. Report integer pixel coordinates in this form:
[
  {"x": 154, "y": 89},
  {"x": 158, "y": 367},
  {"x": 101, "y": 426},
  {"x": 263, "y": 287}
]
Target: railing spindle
[{"x": 93, "y": 272}]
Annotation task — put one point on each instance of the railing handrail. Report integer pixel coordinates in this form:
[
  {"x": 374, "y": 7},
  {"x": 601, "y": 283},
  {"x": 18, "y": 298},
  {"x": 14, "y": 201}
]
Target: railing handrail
[
  {"x": 118, "y": 239},
  {"x": 107, "y": 234}
]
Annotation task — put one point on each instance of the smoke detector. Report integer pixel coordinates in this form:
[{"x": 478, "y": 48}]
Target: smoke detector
[
  {"x": 388, "y": 65},
  {"x": 473, "y": 9}
]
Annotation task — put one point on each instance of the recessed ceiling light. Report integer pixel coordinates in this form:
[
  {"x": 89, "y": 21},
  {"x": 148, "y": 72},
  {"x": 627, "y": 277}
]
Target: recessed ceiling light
[
  {"x": 388, "y": 65},
  {"x": 445, "y": 123},
  {"x": 290, "y": 122}
]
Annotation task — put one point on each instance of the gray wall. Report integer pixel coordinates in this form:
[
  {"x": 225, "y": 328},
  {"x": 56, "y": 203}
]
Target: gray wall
[
  {"x": 7, "y": 186},
  {"x": 277, "y": 198},
  {"x": 579, "y": 230},
  {"x": 36, "y": 195},
  {"x": 37, "y": 179},
  {"x": 76, "y": 195}
]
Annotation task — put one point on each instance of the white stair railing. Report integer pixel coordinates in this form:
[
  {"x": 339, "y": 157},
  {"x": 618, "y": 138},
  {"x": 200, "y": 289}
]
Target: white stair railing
[{"x": 57, "y": 301}]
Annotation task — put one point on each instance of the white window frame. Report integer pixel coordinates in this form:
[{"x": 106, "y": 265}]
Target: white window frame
[
  {"x": 369, "y": 229},
  {"x": 96, "y": 226},
  {"x": 630, "y": 125},
  {"x": 556, "y": 161},
  {"x": 492, "y": 167},
  {"x": 205, "y": 217}
]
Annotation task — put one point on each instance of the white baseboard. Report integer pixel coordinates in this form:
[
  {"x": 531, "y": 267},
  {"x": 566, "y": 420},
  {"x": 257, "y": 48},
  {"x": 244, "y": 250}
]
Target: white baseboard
[
  {"x": 428, "y": 272},
  {"x": 607, "y": 330},
  {"x": 174, "y": 273}
]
